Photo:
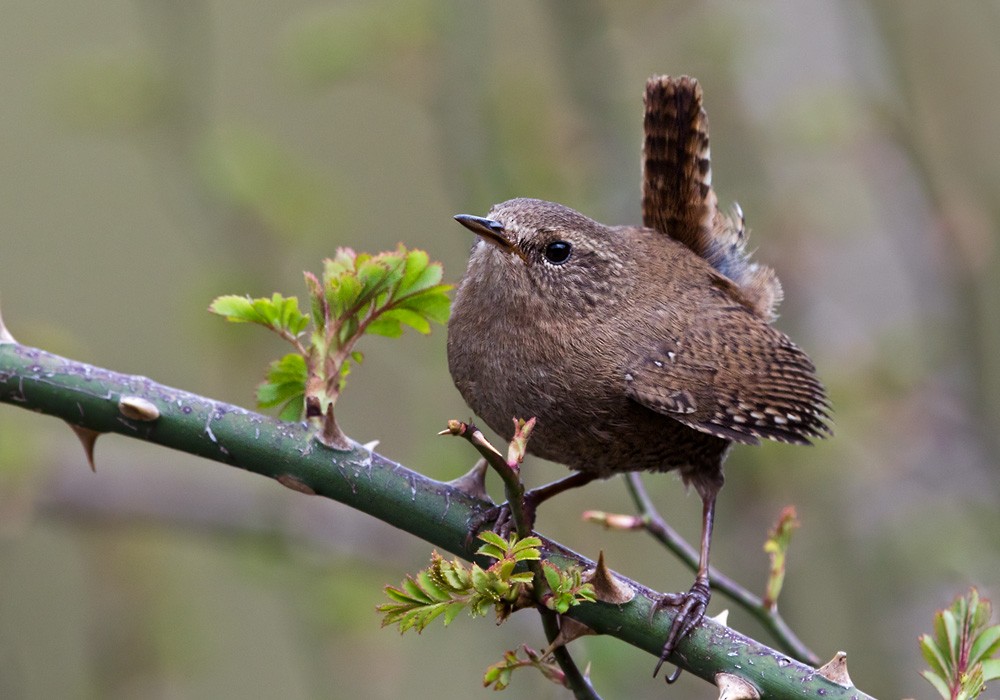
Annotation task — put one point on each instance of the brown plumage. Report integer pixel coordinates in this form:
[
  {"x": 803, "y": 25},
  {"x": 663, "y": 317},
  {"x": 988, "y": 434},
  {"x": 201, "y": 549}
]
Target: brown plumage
[
  {"x": 635, "y": 350},
  {"x": 677, "y": 194}
]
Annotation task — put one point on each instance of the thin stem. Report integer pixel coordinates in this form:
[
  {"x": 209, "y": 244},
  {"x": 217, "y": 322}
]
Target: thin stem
[
  {"x": 296, "y": 343},
  {"x": 514, "y": 492},
  {"x": 575, "y": 680},
  {"x": 512, "y": 485},
  {"x": 656, "y": 526}
]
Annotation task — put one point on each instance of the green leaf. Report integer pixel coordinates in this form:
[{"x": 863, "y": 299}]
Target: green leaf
[
  {"x": 377, "y": 274},
  {"x": 290, "y": 368},
  {"x": 277, "y": 313},
  {"x": 397, "y": 595},
  {"x": 972, "y": 684},
  {"x": 270, "y": 395},
  {"x": 991, "y": 670},
  {"x": 235, "y": 308},
  {"x": 292, "y": 319},
  {"x": 317, "y": 302},
  {"x": 948, "y": 632},
  {"x": 285, "y": 384},
  {"x": 493, "y": 538},
  {"x": 457, "y": 577},
  {"x": 410, "y": 318},
  {"x": 415, "y": 592},
  {"x": 342, "y": 294},
  {"x": 343, "y": 261},
  {"x": 938, "y": 682},
  {"x": 427, "y": 615},
  {"x": 986, "y": 645},
  {"x": 480, "y": 579},
  {"x": 432, "y": 303},
  {"x": 416, "y": 262},
  {"x": 383, "y": 325},
  {"x": 419, "y": 274},
  {"x": 452, "y": 610},
  {"x": 479, "y": 605},
  {"x": 932, "y": 654},
  {"x": 427, "y": 584},
  {"x": 552, "y": 577},
  {"x": 526, "y": 549},
  {"x": 495, "y": 546}
]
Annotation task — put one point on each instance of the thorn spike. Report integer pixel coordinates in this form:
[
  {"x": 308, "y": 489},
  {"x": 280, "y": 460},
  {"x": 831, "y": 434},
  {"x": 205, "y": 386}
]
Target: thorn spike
[
  {"x": 88, "y": 438},
  {"x": 836, "y": 670},
  {"x": 733, "y": 687}
]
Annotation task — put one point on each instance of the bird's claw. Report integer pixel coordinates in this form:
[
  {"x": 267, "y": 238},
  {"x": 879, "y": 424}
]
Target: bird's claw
[
  {"x": 500, "y": 520},
  {"x": 692, "y": 609}
]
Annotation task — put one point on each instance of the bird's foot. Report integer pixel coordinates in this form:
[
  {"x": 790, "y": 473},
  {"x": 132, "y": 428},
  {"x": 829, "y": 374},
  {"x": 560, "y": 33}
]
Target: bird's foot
[
  {"x": 692, "y": 607},
  {"x": 501, "y": 520}
]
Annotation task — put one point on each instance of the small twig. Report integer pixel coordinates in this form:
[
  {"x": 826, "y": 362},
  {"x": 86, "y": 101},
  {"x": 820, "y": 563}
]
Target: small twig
[
  {"x": 656, "y": 526},
  {"x": 507, "y": 468},
  {"x": 575, "y": 680}
]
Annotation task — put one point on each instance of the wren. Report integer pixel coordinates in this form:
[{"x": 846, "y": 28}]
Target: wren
[{"x": 636, "y": 348}]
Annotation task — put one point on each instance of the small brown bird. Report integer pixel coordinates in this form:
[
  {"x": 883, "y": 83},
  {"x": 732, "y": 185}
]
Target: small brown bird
[{"x": 637, "y": 349}]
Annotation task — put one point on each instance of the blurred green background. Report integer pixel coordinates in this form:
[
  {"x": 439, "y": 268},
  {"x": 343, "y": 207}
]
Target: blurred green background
[{"x": 156, "y": 154}]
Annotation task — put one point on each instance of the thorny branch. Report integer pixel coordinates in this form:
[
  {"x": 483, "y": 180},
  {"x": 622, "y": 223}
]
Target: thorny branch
[{"x": 91, "y": 397}]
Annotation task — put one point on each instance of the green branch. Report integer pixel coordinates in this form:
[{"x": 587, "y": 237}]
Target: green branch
[{"x": 92, "y": 398}]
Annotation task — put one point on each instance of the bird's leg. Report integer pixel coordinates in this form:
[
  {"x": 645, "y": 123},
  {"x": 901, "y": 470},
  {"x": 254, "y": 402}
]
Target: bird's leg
[
  {"x": 500, "y": 516},
  {"x": 693, "y": 603}
]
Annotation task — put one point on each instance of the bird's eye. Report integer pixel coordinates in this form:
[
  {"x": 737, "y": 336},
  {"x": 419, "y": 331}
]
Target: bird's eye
[{"x": 557, "y": 252}]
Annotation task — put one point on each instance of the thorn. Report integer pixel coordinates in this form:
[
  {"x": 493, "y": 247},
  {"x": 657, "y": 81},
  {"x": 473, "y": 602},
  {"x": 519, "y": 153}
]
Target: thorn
[
  {"x": 295, "y": 484},
  {"x": 722, "y": 618},
  {"x": 480, "y": 440},
  {"x": 836, "y": 670},
  {"x": 569, "y": 629},
  {"x": 607, "y": 588},
  {"x": 88, "y": 437},
  {"x": 5, "y": 336},
  {"x": 732, "y": 687},
  {"x": 138, "y": 408},
  {"x": 371, "y": 445},
  {"x": 471, "y": 433},
  {"x": 473, "y": 482},
  {"x": 330, "y": 434},
  {"x": 455, "y": 427}
]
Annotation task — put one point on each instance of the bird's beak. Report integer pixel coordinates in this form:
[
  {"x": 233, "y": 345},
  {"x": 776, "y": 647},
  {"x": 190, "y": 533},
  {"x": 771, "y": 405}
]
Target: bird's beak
[{"x": 489, "y": 230}]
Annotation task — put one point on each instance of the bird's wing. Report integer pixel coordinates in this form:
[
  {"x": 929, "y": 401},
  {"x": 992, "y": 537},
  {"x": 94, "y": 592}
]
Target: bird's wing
[{"x": 731, "y": 375}]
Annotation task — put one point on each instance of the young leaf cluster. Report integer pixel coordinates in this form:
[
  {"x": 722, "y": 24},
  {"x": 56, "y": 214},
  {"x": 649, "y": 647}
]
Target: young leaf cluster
[
  {"x": 498, "y": 675},
  {"x": 566, "y": 588},
  {"x": 355, "y": 294},
  {"x": 961, "y": 650},
  {"x": 446, "y": 587}
]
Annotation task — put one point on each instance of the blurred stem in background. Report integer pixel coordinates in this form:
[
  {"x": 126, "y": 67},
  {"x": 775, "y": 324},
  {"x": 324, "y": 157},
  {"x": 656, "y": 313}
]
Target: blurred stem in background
[{"x": 939, "y": 131}]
